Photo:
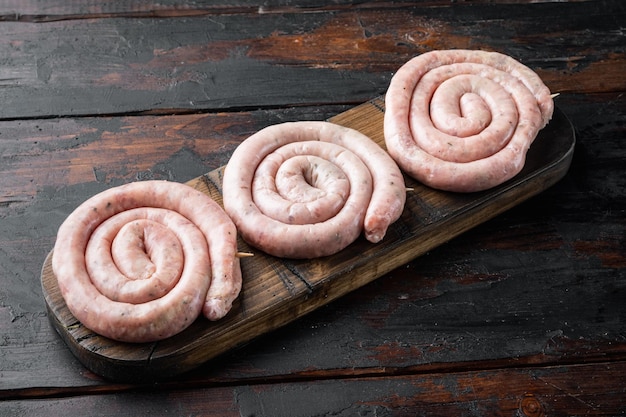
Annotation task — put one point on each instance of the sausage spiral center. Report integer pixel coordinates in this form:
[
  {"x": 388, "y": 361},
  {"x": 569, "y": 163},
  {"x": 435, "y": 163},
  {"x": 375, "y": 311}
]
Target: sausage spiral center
[
  {"x": 140, "y": 262},
  {"x": 462, "y": 120},
  {"x": 308, "y": 189}
]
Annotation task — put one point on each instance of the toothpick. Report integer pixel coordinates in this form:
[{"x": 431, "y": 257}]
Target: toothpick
[
  {"x": 554, "y": 95},
  {"x": 243, "y": 255}
]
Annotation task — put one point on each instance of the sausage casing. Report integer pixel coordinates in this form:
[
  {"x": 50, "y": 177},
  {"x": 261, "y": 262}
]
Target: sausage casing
[
  {"x": 463, "y": 120},
  {"x": 280, "y": 210},
  {"x": 194, "y": 240}
]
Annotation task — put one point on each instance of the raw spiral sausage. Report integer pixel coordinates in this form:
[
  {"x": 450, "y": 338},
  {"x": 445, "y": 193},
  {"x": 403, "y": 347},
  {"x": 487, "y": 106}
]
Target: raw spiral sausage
[
  {"x": 463, "y": 120},
  {"x": 308, "y": 189},
  {"x": 140, "y": 262}
]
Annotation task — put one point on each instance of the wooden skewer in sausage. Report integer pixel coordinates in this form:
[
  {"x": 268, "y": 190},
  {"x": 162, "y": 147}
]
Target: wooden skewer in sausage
[
  {"x": 140, "y": 262},
  {"x": 463, "y": 120},
  {"x": 308, "y": 189}
]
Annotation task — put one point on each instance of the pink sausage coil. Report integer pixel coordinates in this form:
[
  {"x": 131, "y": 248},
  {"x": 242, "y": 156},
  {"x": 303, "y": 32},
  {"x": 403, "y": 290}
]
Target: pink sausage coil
[
  {"x": 308, "y": 189},
  {"x": 140, "y": 262},
  {"x": 463, "y": 120}
]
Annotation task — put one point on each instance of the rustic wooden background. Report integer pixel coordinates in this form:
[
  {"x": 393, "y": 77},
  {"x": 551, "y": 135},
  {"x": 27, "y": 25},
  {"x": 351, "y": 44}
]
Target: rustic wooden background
[{"x": 523, "y": 314}]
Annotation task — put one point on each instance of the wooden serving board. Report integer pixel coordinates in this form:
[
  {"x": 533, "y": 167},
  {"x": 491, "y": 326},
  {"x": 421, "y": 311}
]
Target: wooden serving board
[{"x": 278, "y": 291}]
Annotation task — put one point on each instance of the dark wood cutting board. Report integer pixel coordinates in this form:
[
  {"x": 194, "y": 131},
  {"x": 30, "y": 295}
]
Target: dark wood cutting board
[{"x": 278, "y": 291}]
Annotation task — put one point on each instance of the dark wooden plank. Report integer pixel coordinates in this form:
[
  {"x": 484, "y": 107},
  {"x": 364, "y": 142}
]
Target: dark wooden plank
[
  {"x": 594, "y": 389},
  {"x": 112, "y": 66},
  {"x": 473, "y": 304},
  {"x": 69, "y": 152},
  {"x": 50, "y": 10}
]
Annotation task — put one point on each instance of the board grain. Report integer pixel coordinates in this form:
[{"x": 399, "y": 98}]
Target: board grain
[{"x": 278, "y": 291}]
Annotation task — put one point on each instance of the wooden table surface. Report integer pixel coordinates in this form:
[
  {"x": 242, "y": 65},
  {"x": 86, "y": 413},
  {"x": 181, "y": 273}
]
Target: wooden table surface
[{"x": 523, "y": 315}]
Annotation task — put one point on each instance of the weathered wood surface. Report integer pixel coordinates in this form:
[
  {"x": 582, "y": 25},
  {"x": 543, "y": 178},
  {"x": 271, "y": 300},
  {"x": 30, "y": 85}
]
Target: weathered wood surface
[
  {"x": 529, "y": 302},
  {"x": 82, "y": 67},
  {"x": 591, "y": 389}
]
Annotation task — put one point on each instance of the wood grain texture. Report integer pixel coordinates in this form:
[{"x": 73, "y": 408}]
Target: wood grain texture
[
  {"x": 52, "y": 10},
  {"x": 532, "y": 298},
  {"x": 278, "y": 291},
  {"x": 593, "y": 389},
  {"x": 81, "y": 67}
]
